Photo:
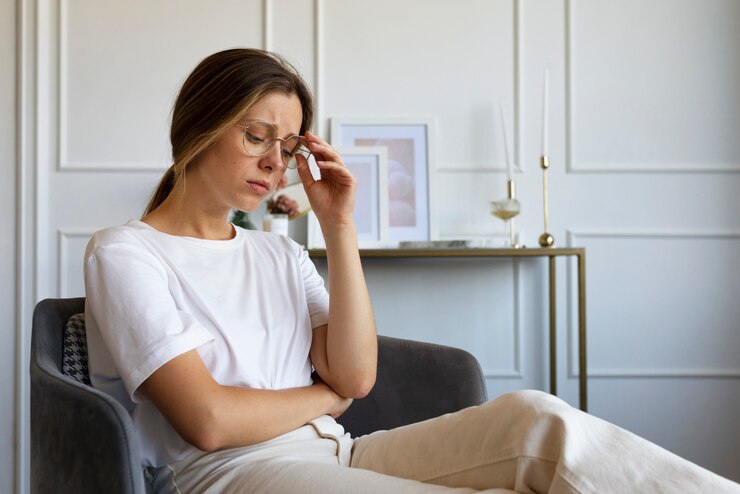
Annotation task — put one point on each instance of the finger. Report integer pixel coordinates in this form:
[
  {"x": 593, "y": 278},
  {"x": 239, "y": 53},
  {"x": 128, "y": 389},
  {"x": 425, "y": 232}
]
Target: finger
[
  {"x": 322, "y": 149},
  {"x": 335, "y": 169},
  {"x": 304, "y": 172}
]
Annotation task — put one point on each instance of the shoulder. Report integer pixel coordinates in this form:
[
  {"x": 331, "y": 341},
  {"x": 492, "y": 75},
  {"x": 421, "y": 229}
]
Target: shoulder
[
  {"x": 127, "y": 233},
  {"x": 131, "y": 237}
]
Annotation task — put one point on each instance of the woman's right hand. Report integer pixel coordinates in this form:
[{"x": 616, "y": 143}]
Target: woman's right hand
[
  {"x": 332, "y": 197},
  {"x": 339, "y": 405}
]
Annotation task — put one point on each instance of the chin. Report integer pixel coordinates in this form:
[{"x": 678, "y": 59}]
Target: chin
[{"x": 248, "y": 205}]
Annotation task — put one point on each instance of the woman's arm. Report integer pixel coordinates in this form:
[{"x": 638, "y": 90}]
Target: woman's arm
[
  {"x": 211, "y": 416},
  {"x": 344, "y": 352}
]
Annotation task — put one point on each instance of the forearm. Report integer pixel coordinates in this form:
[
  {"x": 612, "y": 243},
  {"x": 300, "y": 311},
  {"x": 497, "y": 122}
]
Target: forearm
[
  {"x": 212, "y": 416},
  {"x": 243, "y": 416},
  {"x": 351, "y": 340}
]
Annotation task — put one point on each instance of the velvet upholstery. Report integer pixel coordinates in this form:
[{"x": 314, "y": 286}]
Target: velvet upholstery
[
  {"x": 83, "y": 441},
  {"x": 416, "y": 381}
]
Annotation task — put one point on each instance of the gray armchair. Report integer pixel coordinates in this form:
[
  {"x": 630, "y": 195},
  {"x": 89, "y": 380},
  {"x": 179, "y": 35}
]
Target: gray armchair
[{"x": 83, "y": 441}]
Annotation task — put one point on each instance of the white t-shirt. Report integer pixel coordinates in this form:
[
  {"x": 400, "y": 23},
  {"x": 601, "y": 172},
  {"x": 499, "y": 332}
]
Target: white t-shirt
[{"x": 247, "y": 305}]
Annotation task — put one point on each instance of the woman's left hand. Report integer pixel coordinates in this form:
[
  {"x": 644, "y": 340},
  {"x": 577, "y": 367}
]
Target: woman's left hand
[{"x": 332, "y": 197}]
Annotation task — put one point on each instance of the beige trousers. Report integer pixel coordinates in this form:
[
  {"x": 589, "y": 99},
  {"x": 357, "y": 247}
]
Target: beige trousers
[{"x": 528, "y": 442}]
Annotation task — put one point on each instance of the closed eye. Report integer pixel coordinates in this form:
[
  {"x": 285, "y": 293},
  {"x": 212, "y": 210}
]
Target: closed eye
[{"x": 254, "y": 138}]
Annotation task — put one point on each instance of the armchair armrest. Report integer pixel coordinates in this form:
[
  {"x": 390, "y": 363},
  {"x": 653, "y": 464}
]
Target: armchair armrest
[{"x": 416, "y": 381}]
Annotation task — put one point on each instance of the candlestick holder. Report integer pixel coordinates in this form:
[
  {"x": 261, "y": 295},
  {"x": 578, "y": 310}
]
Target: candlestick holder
[
  {"x": 545, "y": 240},
  {"x": 506, "y": 209}
]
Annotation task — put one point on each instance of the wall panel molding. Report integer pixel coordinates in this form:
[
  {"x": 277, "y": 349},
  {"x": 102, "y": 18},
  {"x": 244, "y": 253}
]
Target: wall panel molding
[
  {"x": 573, "y": 239},
  {"x": 571, "y": 136},
  {"x": 518, "y": 167},
  {"x": 26, "y": 243},
  {"x": 65, "y": 236},
  {"x": 64, "y": 163},
  {"x": 517, "y": 348},
  {"x": 518, "y": 124},
  {"x": 318, "y": 48},
  {"x": 267, "y": 20}
]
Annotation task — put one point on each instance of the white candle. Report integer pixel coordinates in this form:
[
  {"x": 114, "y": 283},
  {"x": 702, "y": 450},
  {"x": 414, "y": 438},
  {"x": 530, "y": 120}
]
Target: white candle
[
  {"x": 545, "y": 85},
  {"x": 506, "y": 140}
]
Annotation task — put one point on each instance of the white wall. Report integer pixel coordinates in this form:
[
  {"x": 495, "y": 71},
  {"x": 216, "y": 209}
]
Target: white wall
[
  {"x": 7, "y": 244},
  {"x": 644, "y": 119}
]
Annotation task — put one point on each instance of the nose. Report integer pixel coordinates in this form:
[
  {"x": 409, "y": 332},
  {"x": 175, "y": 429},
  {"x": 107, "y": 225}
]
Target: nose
[{"x": 273, "y": 161}]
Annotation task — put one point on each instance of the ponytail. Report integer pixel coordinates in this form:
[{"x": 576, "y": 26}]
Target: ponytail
[{"x": 165, "y": 186}]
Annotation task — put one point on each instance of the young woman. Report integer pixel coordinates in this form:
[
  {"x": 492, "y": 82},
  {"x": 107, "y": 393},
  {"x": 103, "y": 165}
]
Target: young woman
[{"x": 233, "y": 359}]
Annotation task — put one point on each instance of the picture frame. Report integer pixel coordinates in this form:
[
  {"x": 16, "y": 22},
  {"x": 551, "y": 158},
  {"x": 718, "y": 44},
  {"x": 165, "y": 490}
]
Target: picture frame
[
  {"x": 369, "y": 165},
  {"x": 411, "y": 168}
]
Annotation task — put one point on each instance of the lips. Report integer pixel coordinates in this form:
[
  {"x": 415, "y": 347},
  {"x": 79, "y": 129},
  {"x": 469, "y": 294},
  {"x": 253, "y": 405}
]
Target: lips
[{"x": 259, "y": 187}]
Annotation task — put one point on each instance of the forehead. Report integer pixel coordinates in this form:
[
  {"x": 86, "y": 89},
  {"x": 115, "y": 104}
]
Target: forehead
[{"x": 282, "y": 110}]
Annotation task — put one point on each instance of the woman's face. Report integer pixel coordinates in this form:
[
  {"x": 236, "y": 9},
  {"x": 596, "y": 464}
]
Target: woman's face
[{"x": 225, "y": 177}]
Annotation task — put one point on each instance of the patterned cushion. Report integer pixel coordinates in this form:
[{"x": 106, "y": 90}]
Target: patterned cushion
[{"x": 74, "y": 358}]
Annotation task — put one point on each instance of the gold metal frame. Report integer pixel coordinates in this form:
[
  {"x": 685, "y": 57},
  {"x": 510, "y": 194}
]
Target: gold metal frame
[
  {"x": 546, "y": 239},
  {"x": 551, "y": 253}
]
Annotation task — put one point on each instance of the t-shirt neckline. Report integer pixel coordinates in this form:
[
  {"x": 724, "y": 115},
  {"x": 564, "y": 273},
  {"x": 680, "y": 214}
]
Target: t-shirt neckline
[{"x": 212, "y": 244}]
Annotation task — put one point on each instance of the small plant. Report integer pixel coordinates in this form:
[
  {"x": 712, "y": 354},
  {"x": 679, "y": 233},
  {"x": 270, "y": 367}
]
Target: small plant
[{"x": 241, "y": 218}]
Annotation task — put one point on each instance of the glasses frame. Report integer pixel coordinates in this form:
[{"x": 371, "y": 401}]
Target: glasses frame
[{"x": 292, "y": 163}]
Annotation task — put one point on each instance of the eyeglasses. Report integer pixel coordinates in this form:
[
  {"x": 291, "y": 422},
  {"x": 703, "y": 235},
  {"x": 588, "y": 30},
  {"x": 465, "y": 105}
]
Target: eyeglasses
[{"x": 260, "y": 137}]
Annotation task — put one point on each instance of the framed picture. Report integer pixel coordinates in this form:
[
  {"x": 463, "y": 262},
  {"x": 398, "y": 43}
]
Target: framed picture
[
  {"x": 410, "y": 169},
  {"x": 369, "y": 165}
]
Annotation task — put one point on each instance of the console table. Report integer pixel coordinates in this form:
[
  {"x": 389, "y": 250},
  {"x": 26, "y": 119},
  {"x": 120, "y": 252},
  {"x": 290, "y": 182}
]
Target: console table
[{"x": 551, "y": 253}]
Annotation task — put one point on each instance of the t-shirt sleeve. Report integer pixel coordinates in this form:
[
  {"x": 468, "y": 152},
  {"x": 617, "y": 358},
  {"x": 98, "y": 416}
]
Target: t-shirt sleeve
[
  {"x": 317, "y": 297},
  {"x": 142, "y": 328}
]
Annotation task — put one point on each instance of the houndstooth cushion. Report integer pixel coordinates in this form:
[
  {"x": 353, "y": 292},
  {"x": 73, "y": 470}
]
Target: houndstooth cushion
[{"x": 74, "y": 359}]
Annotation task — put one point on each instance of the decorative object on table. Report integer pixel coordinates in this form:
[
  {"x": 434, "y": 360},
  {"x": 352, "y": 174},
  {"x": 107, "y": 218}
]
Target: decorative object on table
[
  {"x": 411, "y": 168},
  {"x": 369, "y": 165},
  {"x": 546, "y": 239},
  {"x": 276, "y": 223},
  {"x": 506, "y": 209},
  {"x": 291, "y": 200},
  {"x": 281, "y": 207},
  {"x": 241, "y": 218},
  {"x": 509, "y": 207},
  {"x": 479, "y": 243}
]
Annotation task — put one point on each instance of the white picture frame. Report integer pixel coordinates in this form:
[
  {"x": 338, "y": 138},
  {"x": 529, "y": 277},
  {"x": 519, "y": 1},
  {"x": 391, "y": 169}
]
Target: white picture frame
[
  {"x": 369, "y": 165},
  {"x": 411, "y": 168}
]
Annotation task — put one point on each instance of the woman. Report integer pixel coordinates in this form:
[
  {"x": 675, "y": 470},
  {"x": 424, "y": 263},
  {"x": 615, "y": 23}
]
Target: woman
[{"x": 208, "y": 334}]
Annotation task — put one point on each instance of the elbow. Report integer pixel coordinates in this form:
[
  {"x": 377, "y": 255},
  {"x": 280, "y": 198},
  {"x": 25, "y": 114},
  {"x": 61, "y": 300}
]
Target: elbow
[
  {"x": 203, "y": 432},
  {"x": 359, "y": 388},
  {"x": 205, "y": 439},
  {"x": 205, "y": 442}
]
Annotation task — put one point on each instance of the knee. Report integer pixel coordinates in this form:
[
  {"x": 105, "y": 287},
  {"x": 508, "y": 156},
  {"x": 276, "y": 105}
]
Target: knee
[
  {"x": 527, "y": 397},
  {"x": 533, "y": 401}
]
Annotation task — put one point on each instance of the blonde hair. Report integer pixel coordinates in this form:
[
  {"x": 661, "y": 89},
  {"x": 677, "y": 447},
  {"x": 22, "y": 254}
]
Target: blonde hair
[{"x": 217, "y": 94}]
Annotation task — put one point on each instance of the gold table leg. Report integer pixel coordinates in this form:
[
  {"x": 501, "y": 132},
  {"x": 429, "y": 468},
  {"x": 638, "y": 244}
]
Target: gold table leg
[
  {"x": 553, "y": 331},
  {"x": 582, "y": 369}
]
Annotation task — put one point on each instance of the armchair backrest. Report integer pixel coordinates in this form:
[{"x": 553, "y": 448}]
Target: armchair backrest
[{"x": 82, "y": 440}]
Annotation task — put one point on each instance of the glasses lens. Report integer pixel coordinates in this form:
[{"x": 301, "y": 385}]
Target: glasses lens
[
  {"x": 293, "y": 163},
  {"x": 258, "y": 138},
  {"x": 293, "y": 147}
]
